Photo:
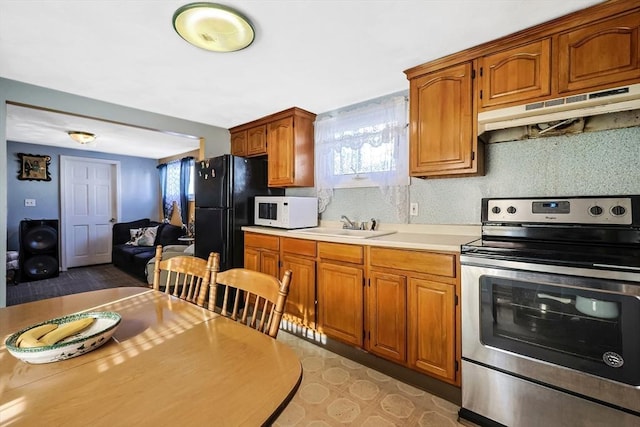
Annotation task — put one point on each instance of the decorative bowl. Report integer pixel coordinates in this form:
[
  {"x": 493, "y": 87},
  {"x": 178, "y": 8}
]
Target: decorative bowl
[{"x": 105, "y": 324}]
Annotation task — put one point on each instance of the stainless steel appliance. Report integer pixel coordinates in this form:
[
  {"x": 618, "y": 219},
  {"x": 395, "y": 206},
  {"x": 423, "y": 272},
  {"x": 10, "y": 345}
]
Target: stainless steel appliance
[{"x": 551, "y": 313}]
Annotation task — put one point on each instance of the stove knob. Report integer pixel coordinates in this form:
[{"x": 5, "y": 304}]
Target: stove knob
[
  {"x": 595, "y": 210},
  {"x": 511, "y": 210},
  {"x": 495, "y": 210},
  {"x": 618, "y": 210}
]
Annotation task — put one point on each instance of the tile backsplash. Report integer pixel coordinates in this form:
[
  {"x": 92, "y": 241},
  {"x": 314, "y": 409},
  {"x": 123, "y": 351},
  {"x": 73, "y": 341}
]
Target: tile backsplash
[{"x": 593, "y": 163}]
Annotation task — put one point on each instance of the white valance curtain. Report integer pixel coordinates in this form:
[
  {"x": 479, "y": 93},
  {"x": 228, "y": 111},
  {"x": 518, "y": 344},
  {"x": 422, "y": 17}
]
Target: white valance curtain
[{"x": 365, "y": 144}]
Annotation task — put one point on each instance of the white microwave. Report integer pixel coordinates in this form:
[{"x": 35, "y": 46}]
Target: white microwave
[{"x": 286, "y": 211}]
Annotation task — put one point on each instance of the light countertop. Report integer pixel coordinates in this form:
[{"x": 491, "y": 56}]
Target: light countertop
[{"x": 428, "y": 237}]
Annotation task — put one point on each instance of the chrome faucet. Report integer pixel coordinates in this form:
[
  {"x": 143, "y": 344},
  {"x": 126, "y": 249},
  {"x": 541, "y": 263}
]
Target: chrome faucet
[{"x": 347, "y": 223}]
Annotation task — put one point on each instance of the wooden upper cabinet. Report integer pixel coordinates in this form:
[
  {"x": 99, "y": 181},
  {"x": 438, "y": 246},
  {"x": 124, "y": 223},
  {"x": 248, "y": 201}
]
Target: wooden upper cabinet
[
  {"x": 515, "y": 75},
  {"x": 288, "y": 141},
  {"x": 600, "y": 55},
  {"x": 257, "y": 141},
  {"x": 281, "y": 152},
  {"x": 443, "y": 124},
  {"x": 239, "y": 143},
  {"x": 249, "y": 142},
  {"x": 290, "y": 147}
]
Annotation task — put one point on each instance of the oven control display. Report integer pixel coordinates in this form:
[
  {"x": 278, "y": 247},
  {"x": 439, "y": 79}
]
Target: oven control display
[
  {"x": 561, "y": 207},
  {"x": 610, "y": 210}
]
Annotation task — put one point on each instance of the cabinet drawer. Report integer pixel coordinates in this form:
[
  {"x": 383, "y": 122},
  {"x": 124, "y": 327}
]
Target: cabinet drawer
[
  {"x": 262, "y": 241},
  {"x": 340, "y": 252},
  {"x": 299, "y": 246},
  {"x": 421, "y": 262}
]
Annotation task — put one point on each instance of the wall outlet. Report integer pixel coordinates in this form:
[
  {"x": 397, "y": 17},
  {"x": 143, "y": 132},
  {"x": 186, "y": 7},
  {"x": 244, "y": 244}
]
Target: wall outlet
[
  {"x": 29, "y": 202},
  {"x": 413, "y": 209}
]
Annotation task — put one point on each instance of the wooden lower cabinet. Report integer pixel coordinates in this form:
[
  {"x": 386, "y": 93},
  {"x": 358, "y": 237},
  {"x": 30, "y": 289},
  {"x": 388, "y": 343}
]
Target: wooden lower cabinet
[
  {"x": 432, "y": 333},
  {"x": 412, "y": 310},
  {"x": 387, "y": 316},
  {"x": 299, "y": 256},
  {"x": 261, "y": 253},
  {"x": 399, "y": 304},
  {"x": 340, "y": 302},
  {"x": 341, "y": 291}
]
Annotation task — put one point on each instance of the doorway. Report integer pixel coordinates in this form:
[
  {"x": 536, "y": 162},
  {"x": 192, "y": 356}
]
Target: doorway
[{"x": 89, "y": 206}]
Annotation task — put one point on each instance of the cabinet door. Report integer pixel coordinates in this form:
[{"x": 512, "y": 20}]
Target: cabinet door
[
  {"x": 281, "y": 152},
  {"x": 269, "y": 263},
  {"x": 257, "y": 141},
  {"x": 387, "y": 315},
  {"x": 442, "y": 139},
  {"x": 252, "y": 259},
  {"x": 340, "y": 302},
  {"x": 432, "y": 328},
  {"x": 605, "y": 53},
  {"x": 239, "y": 143},
  {"x": 300, "y": 307},
  {"x": 516, "y": 75}
]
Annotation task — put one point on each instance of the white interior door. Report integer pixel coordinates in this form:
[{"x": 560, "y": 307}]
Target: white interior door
[{"x": 89, "y": 204}]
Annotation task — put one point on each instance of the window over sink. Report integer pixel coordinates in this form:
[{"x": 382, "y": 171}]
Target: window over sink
[{"x": 365, "y": 145}]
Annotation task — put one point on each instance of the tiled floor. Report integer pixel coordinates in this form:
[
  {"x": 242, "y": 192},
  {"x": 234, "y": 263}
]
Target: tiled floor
[{"x": 337, "y": 391}]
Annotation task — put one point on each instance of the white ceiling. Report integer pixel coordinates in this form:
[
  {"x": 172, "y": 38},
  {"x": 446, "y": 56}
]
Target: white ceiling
[{"x": 319, "y": 55}]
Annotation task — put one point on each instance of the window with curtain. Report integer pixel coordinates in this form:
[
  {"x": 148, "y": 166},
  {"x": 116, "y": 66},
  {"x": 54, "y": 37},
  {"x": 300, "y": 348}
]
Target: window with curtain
[
  {"x": 365, "y": 146},
  {"x": 176, "y": 180}
]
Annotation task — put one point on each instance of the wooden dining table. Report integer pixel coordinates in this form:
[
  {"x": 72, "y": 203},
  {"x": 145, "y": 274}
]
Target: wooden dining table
[{"x": 169, "y": 363}]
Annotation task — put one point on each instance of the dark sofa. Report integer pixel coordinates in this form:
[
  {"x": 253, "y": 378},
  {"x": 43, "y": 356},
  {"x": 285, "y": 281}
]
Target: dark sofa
[{"x": 133, "y": 259}]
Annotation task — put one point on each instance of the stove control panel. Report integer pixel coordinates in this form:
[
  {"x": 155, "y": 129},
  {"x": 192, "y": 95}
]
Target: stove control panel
[{"x": 580, "y": 210}]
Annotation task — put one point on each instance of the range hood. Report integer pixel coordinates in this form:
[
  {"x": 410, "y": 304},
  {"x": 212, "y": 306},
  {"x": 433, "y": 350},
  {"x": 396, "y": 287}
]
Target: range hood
[{"x": 555, "y": 110}]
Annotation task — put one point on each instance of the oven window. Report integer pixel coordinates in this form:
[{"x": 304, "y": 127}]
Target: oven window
[{"x": 577, "y": 328}]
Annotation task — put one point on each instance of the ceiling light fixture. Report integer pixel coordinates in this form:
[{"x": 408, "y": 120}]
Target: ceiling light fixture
[
  {"x": 213, "y": 27},
  {"x": 81, "y": 137}
]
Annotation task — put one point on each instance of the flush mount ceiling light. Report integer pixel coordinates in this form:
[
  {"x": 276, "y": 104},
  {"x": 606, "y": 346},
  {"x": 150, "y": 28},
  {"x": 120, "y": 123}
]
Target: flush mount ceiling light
[
  {"x": 81, "y": 137},
  {"x": 213, "y": 27}
]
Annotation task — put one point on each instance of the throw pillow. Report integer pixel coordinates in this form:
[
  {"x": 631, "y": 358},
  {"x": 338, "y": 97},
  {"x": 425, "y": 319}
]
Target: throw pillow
[{"x": 143, "y": 236}]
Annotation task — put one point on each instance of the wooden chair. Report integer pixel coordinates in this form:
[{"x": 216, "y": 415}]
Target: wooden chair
[
  {"x": 253, "y": 298},
  {"x": 187, "y": 277}
]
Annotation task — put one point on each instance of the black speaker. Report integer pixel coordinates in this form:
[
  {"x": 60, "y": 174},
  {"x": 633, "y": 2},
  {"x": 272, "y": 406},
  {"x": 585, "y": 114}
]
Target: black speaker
[{"x": 39, "y": 249}]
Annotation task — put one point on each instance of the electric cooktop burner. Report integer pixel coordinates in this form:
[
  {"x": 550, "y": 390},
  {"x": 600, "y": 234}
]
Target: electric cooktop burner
[{"x": 592, "y": 232}]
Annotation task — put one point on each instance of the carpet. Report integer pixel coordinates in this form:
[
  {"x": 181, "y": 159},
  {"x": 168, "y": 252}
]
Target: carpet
[{"x": 72, "y": 281}]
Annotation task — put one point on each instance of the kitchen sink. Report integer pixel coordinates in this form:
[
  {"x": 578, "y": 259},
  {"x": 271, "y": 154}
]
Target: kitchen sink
[{"x": 343, "y": 232}]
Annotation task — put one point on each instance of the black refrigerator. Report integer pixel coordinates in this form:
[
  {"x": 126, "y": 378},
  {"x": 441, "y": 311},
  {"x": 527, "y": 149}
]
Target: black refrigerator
[{"x": 225, "y": 188}]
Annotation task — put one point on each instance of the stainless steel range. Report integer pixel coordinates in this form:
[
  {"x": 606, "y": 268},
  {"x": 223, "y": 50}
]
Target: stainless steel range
[{"x": 551, "y": 313}]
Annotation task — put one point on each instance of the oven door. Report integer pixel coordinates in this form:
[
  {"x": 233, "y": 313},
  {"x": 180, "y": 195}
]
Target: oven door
[{"x": 568, "y": 328}]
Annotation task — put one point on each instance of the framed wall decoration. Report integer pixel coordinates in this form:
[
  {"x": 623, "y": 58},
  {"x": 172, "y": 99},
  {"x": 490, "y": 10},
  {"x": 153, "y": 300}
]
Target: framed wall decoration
[{"x": 34, "y": 167}]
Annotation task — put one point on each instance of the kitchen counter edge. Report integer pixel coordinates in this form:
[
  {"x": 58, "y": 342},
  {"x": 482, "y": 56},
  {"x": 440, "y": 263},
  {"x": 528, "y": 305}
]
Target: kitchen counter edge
[{"x": 400, "y": 240}]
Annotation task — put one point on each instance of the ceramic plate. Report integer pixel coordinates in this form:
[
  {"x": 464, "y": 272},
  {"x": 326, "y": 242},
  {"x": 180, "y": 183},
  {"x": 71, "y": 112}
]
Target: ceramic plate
[{"x": 105, "y": 324}]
